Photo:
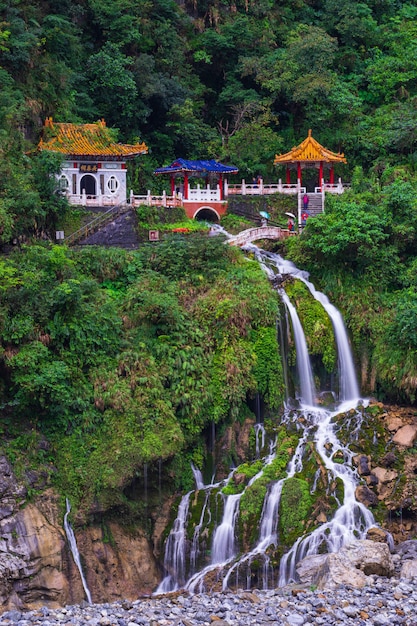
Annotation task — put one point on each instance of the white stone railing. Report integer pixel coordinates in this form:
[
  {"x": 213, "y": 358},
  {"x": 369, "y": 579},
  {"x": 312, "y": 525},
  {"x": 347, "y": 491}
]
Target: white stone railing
[
  {"x": 90, "y": 200},
  {"x": 153, "y": 200},
  {"x": 260, "y": 189},
  {"x": 203, "y": 194},
  {"x": 338, "y": 187}
]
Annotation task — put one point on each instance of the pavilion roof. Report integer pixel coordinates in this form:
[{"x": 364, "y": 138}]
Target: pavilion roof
[
  {"x": 309, "y": 151},
  {"x": 199, "y": 167},
  {"x": 86, "y": 140}
]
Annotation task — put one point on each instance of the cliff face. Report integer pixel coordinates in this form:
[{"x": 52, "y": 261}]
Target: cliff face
[
  {"x": 37, "y": 568},
  {"x": 121, "y": 562}
]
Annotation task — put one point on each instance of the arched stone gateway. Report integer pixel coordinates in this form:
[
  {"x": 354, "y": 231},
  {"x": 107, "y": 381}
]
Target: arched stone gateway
[
  {"x": 88, "y": 185},
  {"x": 207, "y": 214}
]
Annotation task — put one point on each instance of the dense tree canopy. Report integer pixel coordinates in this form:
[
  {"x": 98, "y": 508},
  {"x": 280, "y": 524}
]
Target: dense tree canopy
[
  {"x": 121, "y": 359},
  {"x": 205, "y": 79}
]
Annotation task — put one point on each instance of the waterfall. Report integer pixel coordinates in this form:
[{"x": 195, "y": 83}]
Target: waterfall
[
  {"x": 224, "y": 537},
  {"x": 318, "y": 430},
  {"x": 352, "y": 519},
  {"x": 174, "y": 560},
  {"x": 349, "y": 390},
  {"x": 307, "y": 392},
  {"x": 74, "y": 550},
  {"x": 269, "y": 518},
  {"x": 195, "y": 547},
  {"x": 259, "y": 439},
  {"x": 198, "y": 477}
]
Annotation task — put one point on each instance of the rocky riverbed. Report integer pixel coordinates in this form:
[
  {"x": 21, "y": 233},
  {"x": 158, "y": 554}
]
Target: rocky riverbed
[{"x": 383, "y": 602}]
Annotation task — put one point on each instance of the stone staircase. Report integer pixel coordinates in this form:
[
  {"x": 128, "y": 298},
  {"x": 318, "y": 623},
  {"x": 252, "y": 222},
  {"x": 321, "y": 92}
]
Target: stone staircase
[
  {"x": 100, "y": 221},
  {"x": 315, "y": 204}
]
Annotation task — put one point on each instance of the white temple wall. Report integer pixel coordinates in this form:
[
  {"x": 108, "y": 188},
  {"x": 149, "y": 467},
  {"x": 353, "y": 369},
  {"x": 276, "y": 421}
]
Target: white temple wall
[{"x": 85, "y": 181}]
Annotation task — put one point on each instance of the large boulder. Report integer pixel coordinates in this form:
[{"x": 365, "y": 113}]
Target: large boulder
[
  {"x": 352, "y": 565},
  {"x": 409, "y": 569},
  {"x": 406, "y": 436}
]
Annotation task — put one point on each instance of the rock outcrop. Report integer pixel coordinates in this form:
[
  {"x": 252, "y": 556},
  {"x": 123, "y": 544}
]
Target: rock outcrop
[
  {"x": 37, "y": 567},
  {"x": 352, "y": 565}
]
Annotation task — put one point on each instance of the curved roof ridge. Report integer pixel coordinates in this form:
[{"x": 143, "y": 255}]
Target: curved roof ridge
[
  {"x": 86, "y": 140},
  {"x": 309, "y": 150},
  {"x": 197, "y": 166}
]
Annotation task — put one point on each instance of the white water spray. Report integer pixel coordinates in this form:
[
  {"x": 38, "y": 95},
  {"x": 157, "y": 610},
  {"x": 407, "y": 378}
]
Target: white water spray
[
  {"x": 349, "y": 390},
  {"x": 174, "y": 561},
  {"x": 307, "y": 391},
  {"x": 224, "y": 537}
]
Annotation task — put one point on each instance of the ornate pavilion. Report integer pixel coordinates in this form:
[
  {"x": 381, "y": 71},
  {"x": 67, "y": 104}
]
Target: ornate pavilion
[
  {"x": 310, "y": 154},
  {"x": 208, "y": 170},
  {"x": 94, "y": 169},
  {"x": 207, "y": 201}
]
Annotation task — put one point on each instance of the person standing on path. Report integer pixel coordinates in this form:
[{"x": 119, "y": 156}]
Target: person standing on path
[{"x": 305, "y": 201}]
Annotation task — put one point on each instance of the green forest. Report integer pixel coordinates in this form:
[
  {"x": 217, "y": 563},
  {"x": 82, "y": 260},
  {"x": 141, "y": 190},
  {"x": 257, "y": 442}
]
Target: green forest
[
  {"x": 111, "y": 360},
  {"x": 234, "y": 80}
]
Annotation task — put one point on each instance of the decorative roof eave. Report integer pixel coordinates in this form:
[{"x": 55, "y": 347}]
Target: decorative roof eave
[
  {"x": 87, "y": 141},
  {"x": 182, "y": 166},
  {"x": 97, "y": 157},
  {"x": 309, "y": 151}
]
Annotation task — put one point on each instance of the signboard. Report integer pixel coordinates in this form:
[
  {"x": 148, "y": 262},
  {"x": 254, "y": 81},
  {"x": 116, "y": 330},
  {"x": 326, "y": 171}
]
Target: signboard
[
  {"x": 90, "y": 168},
  {"x": 154, "y": 235},
  {"x": 59, "y": 234}
]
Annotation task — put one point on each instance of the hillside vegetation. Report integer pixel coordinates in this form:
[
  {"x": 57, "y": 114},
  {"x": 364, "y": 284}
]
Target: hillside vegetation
[
  {"x": 111, "y": 360},
  {"x": 117, "y": 359}
]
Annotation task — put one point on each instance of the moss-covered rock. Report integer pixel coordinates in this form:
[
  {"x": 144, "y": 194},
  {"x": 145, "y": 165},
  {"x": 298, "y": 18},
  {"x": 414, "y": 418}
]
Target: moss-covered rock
[{"x": 295, "y": 507}]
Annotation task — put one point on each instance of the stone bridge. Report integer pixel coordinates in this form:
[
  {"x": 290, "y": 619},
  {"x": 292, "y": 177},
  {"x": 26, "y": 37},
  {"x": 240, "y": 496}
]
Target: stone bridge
[{"x": 262, "y": 232}]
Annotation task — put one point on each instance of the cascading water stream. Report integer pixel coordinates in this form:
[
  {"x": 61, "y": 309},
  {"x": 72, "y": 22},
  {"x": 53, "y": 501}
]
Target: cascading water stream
[
  {"x": 307, "y": 391},
  {"x": 224, "y": 537},
  {"x": 352, "y": 519},
  {"x": 74, "y": 550},
  {"x": 259, "y": 439},
  {"x": 174, "y": 561},
  {"x": 269, "y": 518},
  {"x": 319, "y": 428},
  {"x": 223, "y": 548},
  {"x": 198, "y": 477},
  {"x": 349, "y": 390}
]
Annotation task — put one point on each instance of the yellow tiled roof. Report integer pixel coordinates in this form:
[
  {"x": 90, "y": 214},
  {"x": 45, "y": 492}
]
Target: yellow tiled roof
[
  {"x": 309, "y": 150},
  {"x": 77, "y": 140}
]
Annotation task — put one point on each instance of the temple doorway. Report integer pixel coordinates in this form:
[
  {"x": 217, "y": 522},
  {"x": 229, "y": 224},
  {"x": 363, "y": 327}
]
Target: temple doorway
[{"x": 88, "y": 185}]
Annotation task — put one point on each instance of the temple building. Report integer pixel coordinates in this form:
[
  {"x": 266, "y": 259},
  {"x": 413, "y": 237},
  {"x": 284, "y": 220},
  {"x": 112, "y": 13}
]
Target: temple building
[{"x": 94, "y": 168}]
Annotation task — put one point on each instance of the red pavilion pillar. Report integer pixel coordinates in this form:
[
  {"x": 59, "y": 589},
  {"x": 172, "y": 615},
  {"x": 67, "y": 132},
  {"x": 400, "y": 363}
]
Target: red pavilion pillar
[
  {"x": 299, "y": 172},
  {"x": 332, "y": 175},
  {"x": 172, "y": 185},
  {"x": 221, "y": 186},
  {"x": 185, "y": 186}
]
